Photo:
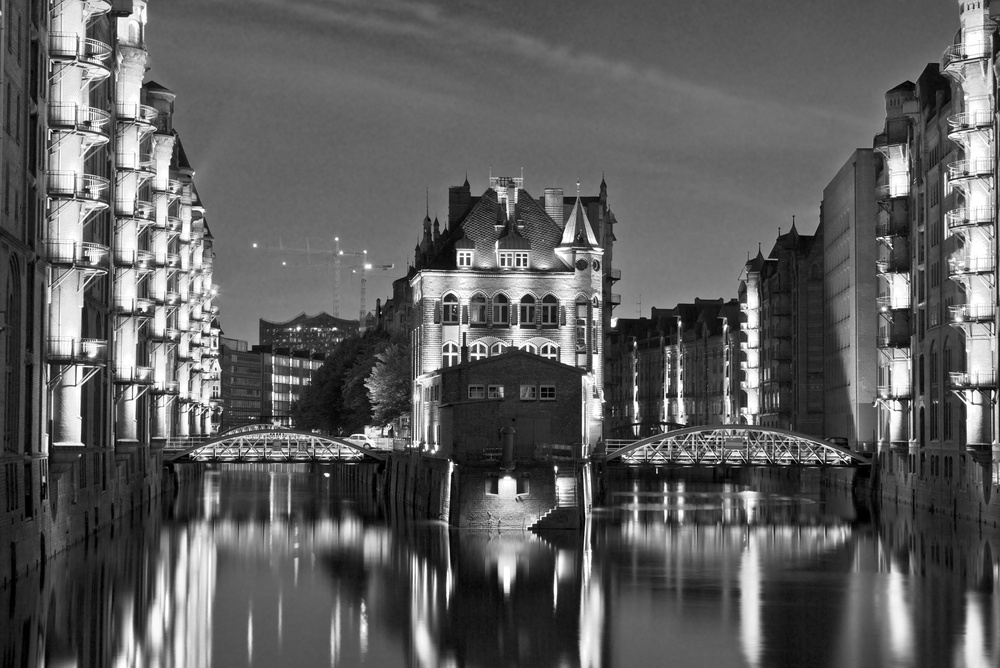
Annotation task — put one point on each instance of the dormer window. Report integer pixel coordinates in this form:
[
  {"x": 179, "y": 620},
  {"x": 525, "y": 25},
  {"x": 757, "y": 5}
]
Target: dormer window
[
  {"x": 513, "y": 259},
  {"x": 464, "y": 258}
]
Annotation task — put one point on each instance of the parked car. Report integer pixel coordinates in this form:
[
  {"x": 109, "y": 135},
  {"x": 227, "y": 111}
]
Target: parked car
[{"x": 360, "y": 439}]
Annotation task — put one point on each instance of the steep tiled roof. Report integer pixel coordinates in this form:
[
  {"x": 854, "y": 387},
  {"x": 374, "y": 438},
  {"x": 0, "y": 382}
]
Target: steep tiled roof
[{"x": 578, "y": 230}]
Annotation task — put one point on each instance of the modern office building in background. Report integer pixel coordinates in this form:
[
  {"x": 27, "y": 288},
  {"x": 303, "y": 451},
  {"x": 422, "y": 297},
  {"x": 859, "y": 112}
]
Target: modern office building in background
[{"x": 109, "y": 332}]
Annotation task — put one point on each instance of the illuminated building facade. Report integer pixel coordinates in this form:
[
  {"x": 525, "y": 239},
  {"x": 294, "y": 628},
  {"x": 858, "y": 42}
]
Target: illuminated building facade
[
  {"x": 320, "y": 333},
  {"x": 847, "y": 334},
  {"x": 510, "y": 271},
  {"x": 781, "y": 303},
  {"x": 109, "y": 340},
  {"x": 242, "y": 386},
  {"x": 285, "y": 374},
  {"x": 680, "y": 368}
]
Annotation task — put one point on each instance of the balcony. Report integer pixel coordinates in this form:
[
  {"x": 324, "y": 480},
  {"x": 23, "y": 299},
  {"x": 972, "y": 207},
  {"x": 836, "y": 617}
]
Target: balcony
[
  {"x": 134, "y": 307},
  {"x": 970, "y": 121},
  {"x": 188, "y": 397},
  {"x": 71, "y": 117},
  {"x": 614, "y": 299},
  {"x": 893, "y": 265},
  {"x": 972, "y": 380},
  {"x": 977, "y": 168},
  {"x": 615, "y": 275},
  {"x": 137, "y": 113},
  {"x": 893, "y": 303},
  {"x": 895, "y": 391},
  {"x": 961, "y": 314},
  {"x": 210, "y": 352},
  {"x": 68, "y": 47},
  {"x": 70, "y": 185},
  {"x": 887, "y": 191},
  {"x": 958, "y": 55},
  {"x": 896, "y": 339},
  {"x": 83, "y": 255},
  {"x": 164, "y": 335},
  {"x": 168, "y": 260},
  {"x": 168, "y": 387},
  {"x": 133, "y": 375},
  {"x": 962, "y": 218},
  {"x": 136, "y": 162},
  {"x": 69, "y": 350},
  {"x": 966, "y": 265},
  {"x": 141, "y": 260},
  {"x": 892, "y": 228}
]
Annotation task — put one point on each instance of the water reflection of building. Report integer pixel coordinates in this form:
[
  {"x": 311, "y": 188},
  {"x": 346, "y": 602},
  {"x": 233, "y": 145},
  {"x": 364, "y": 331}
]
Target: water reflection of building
[{"x": 109, "y": 331}]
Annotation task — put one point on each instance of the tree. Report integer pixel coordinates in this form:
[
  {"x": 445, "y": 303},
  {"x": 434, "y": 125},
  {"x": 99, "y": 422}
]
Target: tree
[{"x": 389, "y": 384}]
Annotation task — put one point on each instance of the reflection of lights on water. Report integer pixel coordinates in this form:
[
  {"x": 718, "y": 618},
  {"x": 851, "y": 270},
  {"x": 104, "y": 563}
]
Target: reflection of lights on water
[
  {"x": 363, "y": 629},
  {"x": 898, "y": 618},
  {"x": 975, "y": 642},
  {"x": 750, "y": 586},
  {"x": 326, "y": 474},
  {"x": 250, "y": 632},
  {"x": 506, "y": 571}
]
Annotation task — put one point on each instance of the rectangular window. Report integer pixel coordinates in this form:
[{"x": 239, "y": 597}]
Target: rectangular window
[
  {"x": 464, "y": 258},
  {"x": 495, "y": 392},
  {"x": 521, "y": 260},
  {"x": 529, "y": 393},
  {"x": 477, "y": 392},
  {"x": 506, "y": 259},
  {"x": 547, "y": 392}
]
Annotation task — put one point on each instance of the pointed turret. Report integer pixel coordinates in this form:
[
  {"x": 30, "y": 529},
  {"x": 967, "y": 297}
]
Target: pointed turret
[{"x": 578, "y": 230}]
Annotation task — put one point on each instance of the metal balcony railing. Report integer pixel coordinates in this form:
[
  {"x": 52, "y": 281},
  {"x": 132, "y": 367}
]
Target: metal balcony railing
[
  {"x": 84, "y": 255},
  {"x": 895, "y": 391},
  {"x": 895, "y": 340},
  {"x": 615, "y": 274},
  {"x": 888, "y": 191},
  {"x": 72, "y": 117},
  {"x": 970, "y": 169},
  {"x": 970, "y": 120},
  {"x": 165, "y": 335},
  {"x": 959, "y": 54},
  {"x": 134, "y": 306},
  {"x": 133, "y": 375},
  {"x": 171, "y": 387},
  {"x": 169, "y": 260},
  {"x": 894, "y": 302},
  {"x": 963, "y": 313},
  {"x": 78, "y": 186},
  {"x": 893, "y": 265},
  {"x": 137, "y": 113},
  {"x": 68, "y": 46},
  {"x": 974, "y": 217},
  {"x": 135, "y": 161},
  {"x": 963, "y": 380},
  {"x": 966, "y": 264},
  {"x": 70, "y": 350}
]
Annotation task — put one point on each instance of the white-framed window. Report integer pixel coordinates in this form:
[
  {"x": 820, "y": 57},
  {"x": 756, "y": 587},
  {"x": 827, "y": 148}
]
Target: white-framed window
[
  {"x": 498, "y": 348},
  {"x": 494, "y": 392},
  {"x": 529, "y": 348},
  {"x": 547, "y": 392},
  {"x": 501, "y": 310},
  {"x": 477, "y": 391},
  {"x": 505, "y": 259},
  {"x": 529, "y": 393},
  {"x": 449, "y": 354},
  {"x": 477, "y": 310},
  {"x": 549, "y": 351},
  {"x": 464, "y": 258},
  {"x": 550, "y": 311},
  {"x": 521, "y": 259},
  {"x": 478, "y": 351},
  {"x": 527, "y": 311},
  {"x": 449, "y": 309}
]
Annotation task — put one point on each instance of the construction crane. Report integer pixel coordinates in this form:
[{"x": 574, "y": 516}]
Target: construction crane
[{"x": 360, "y": 264}]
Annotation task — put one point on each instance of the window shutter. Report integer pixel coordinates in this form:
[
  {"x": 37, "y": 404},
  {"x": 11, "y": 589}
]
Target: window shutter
[{"x": 465, "y": 314}]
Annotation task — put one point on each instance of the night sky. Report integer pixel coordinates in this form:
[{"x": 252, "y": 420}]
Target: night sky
[{"x": 713, "y": 122}]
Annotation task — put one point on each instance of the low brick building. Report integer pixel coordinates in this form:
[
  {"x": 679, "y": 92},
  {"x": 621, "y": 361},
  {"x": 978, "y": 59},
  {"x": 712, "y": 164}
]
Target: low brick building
[{"x": 542, "y": 399}]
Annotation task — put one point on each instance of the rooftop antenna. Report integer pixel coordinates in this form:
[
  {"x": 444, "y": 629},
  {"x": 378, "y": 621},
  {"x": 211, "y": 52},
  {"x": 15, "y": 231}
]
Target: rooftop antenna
[
  {"x": 638, "y": 306},
  {"x": 427, "y": 194}
]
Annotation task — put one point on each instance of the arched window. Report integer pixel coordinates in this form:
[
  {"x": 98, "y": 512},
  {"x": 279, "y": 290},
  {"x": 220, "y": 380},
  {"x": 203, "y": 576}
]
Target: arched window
[
  {"x": 133, "y": 33},
  {"x": 501, "y": 310},
  {"x": 449, "y": 313},
  {"x": 549, "y": 351},
  {"x": 498, "y": 348},
  {"x": 449, "y": 354},
  {"x": 477, "y": 310},
  {"x": 550, "y": 311},
  {"x": 527, "y": 314},
  {"x": 529, "y": 348},
  {"x": 478, "y": 351}
]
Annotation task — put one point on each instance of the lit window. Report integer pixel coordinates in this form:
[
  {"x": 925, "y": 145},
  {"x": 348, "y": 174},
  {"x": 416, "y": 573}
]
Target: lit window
[
  {"x": 529, "y": 348},
  {"x": 478, "y": 351},
  {"x": 501, "y": 310},
  {"x": 477, "y": 392},
  {"x": 449, "y": 354},
  {"x": 477, "y": 310},
  {"x": 549, "y": 351},
  {"x": 498, "y": 348},
  {"x": 547, "y": 392},
  {"x": 505, "y": 259},
  {"x": 529, "y": 393},
  {"x": 495, "y": 392},
  {"x": 550, "y": 311},
  {"x": 521, "y": 260},
  {"x": 464, "y": 258},
  {"x": 527, "y": 313},
  {"x": 449, "y": 314}
]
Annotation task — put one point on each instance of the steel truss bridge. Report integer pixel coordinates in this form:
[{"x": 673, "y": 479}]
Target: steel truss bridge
[
  {"x": 269, "y": 444},
  {"x": 734, "y": 445}
]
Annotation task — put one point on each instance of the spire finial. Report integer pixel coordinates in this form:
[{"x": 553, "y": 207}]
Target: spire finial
[
  {"x": 427, "y": 195},
  {"x": 578, "y": 187}
]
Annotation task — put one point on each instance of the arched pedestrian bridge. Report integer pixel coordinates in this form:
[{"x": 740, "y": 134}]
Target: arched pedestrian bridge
[
  {"x": 733, "y": 444},
  {"x": 269, "y": 444}
]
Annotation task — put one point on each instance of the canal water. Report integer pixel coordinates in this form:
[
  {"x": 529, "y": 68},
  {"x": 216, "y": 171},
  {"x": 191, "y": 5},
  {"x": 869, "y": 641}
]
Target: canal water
[{"x": 271, "y": 565}]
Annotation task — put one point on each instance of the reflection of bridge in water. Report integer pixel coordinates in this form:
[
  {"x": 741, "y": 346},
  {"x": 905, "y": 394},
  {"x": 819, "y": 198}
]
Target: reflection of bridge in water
[
  {"x": 263, "y": 443},
  {"x": 734, "y": 445}
]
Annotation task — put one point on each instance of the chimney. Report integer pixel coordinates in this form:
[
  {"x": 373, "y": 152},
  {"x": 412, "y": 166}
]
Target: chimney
[
  {"x": 459, "y": 202},
  {"x": 554, "y": 205}
]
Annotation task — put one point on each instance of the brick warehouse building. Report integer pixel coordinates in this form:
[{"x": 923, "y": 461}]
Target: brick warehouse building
[{"x": 510, "y": 271}]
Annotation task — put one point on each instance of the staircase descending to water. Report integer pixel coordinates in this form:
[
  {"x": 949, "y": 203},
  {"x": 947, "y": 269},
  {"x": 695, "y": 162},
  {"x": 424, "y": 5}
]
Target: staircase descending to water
[{"x": 566, "y": 514}]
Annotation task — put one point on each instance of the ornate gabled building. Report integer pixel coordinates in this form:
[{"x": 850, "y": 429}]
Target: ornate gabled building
[{"x": 511, "y": 272}]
